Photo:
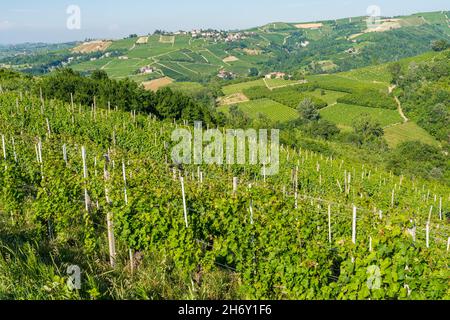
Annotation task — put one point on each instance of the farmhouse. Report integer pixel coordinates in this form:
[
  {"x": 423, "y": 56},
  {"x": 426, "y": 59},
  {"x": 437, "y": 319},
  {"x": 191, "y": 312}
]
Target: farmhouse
[
  {"x": 352, "y": 51},
  {"x": 276, "y": 75},
  {"x": 227, "y": 75},
  {"x": 304, "y": 44},
  {"x": 146, "y": 70}
]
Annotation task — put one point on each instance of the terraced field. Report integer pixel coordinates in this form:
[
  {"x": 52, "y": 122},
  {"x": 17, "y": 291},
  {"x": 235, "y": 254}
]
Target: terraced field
[
  {"x": 239, "y": 87},
  {"x": 273, "y": 110}
]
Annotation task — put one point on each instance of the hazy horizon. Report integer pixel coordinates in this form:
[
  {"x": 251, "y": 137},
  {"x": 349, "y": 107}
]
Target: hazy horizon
[{"x": 29, "y": 22}]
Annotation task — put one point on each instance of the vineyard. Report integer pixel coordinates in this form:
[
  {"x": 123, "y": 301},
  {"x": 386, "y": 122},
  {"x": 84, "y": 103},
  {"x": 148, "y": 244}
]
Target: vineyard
[{"x": 100, "y": 183}]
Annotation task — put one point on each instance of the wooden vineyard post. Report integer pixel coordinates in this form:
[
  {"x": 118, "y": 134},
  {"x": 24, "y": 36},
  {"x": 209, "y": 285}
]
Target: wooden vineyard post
[
  {"x": 235, "y": 185},
  {"x": 329, "y": 223},
  {"x": 3, "y": 147},
  {"x": 14, "y": 149},
  {"x": 49, "y": 132},
  {"x": 39, "y": 154},
  {"x": 427, "y": 230},
  {"x": 339, "y": 185},
  {"x": 345, "y": 181},
  {"x": 184, "y": 202},
  {"x": 296, "y": 200},
  {"x": 392, "y": 197},
  {"x": 85, "y": 176},
  {"x": 448, "y": 244},
  {"x": 109, "y": 222},
  {"x": 124, "y": 175},
  {"x": 370, "y": 244},
  {"x": 111, "y": 240},
  {"x": 440, "y": 209},
  {"x": 65, "y": 153},
  {"x": 264, "y": 172},
  {"x": 42, "y": 100},
  {"x": 354, "y": 226},
  {"x": 429, "y": 215},
  {"x": 251, "y": 211},
  {"x": 130, "y": 252}
]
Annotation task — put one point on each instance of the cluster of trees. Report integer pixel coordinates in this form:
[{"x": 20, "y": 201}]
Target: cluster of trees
[
  {"x": 418, "y": 159},
  {"x": 440, "y": 45},
  {"x": 126, "y": 95}
]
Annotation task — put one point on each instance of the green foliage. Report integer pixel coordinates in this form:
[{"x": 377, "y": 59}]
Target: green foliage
[
  {"x": 124, "y": 94},
  {"x": 418, "y": 159},
  {"x": 308, "y": 110},
  {"x": 440, "y": 45},
  {"x": 425, "y": 95}
]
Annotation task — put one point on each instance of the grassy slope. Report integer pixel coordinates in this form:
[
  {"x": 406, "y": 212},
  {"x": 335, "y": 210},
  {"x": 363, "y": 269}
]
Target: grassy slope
[
  {"x": 407, "y": 132},
  {"x": 345, "y": 115}
]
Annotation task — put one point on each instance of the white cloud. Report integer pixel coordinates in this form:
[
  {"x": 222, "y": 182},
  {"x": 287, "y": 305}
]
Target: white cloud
[
  {"x": 113, "y": 27},
  {"x": 5, "y": 25}
]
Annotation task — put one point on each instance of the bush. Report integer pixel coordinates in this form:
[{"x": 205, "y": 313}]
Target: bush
[{"x": 418, "y": 159}]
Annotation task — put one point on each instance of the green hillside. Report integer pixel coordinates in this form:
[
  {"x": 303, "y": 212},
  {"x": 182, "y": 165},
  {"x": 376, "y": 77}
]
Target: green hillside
[{"x": 315, "y": 47}]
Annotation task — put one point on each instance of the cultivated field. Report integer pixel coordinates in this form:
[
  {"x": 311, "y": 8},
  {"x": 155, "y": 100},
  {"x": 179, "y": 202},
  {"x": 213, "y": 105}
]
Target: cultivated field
[
  {"x": 309, "y": 25},
  {"x": 230, "y": 59},
  {"x": 142, "y": 40},
  {"x": 240, "y": 87},
  {"x": 154, "y": 85},
  {"x": 92, "y": 46},
  {"x": 232, "y": 99},
  {"x": 345, "y": 115},
  {"x": 273, "y": 110}
]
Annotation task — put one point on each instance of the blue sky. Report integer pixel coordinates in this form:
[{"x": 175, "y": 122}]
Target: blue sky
[{"x": 45, "y": 20}]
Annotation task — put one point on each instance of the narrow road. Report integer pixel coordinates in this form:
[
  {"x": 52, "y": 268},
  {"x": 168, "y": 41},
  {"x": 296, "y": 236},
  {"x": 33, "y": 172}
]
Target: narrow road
[{"x": 399, "y": 104}]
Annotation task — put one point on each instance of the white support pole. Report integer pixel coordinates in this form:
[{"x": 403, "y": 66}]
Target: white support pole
[
  {"x": 184, "y": 202},
  {"x": 124, "y": 175},
  {"x": 428, "y": 235},
  {"x": 448, "y": 244},
  {"x": 85, "y": 176},
  {"x": 251, "y": 211},
  {"x": 296, "y": 200},
  {"x": 429, "y": 215},
  {"x": 111, "y": 240},
  {"x": 3, "y": 147},
  {"x": 40, "y": 151},
  {"x": 329, "y": 223},
  {"x": 130, "y": 252},
  {"x": 370, "y": 244},
  {"x": 83, "y": 156},
  {"x": 14, "y": 149},
  {"x": 392, "y": 197},
  {"x": 65, "y": 153},
  {"x": 235, "y": 184},
  {"x": 440, "y": 209},
  {"x": 354, "y": 225},
  {"x": 109, "y": 221}
]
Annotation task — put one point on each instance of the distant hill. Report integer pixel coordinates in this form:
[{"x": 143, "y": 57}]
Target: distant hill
[{"x": 199, "y": 55}]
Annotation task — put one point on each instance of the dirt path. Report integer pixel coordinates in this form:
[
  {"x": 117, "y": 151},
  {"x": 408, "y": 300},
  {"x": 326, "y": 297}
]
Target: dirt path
[
  {"x": 105, "y": 65},
  {"x": 399, "y": 104},
  {"x": 400, "y": 110}
]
